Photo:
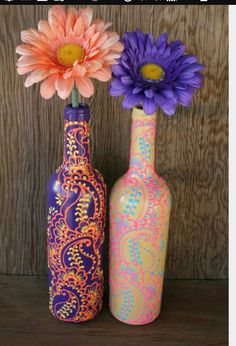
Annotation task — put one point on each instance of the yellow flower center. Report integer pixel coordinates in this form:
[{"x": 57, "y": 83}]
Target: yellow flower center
[
  {"x": 152, "y": 71},
  {"x": 69, "y": 53}
]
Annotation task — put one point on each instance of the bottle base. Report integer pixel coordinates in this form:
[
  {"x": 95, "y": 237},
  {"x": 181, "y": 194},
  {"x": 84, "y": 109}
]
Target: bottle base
[
  {"x": 75, "y": 321},
  {"x": 135, "y": 323}
]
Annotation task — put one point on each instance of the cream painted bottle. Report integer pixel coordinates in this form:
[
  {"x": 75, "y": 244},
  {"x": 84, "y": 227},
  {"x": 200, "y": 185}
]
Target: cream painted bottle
[{"x": 140, "y": 206}]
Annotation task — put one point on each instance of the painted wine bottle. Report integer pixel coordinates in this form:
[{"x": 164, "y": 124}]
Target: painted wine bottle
[
  {"x": 76, "y": 218},
  {"x": 139, "y": 219}
]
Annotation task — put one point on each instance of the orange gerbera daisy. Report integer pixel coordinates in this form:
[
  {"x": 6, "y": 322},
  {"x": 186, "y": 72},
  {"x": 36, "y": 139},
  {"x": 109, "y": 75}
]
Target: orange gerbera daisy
[{"x": 68, "y": 49}]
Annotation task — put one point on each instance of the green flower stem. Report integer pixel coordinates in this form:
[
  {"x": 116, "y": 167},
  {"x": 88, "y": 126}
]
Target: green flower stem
[{"x": 75, "y": 97}]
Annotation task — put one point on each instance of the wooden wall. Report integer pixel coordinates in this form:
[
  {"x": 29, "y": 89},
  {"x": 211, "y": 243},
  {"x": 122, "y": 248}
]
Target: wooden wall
[{"x": 191, "y": 147}]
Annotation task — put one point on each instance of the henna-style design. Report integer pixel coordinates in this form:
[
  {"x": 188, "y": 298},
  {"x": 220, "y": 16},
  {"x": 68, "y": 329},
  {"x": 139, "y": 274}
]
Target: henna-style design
[
  {"x": 76, "y": 217},
  {"x": 139, "y": 218}
]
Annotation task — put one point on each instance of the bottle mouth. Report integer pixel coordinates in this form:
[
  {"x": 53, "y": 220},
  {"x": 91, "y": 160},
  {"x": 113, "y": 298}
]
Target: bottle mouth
[
  {"x": 138, "y": 113},
  {"x": 81, "y": 112}
]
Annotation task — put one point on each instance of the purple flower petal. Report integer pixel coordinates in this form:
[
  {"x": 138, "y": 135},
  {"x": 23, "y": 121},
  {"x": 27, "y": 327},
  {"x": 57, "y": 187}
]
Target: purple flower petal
[
  {"x": 127, "y": 80},
  {"x": 167, "y": 93},
  {"x": 185, "y": 96},
  {"x": 168, "y": 108},
  {"x": 149, "y": 105},
  {"x": 181, "y": 78},
  {"x": 149, "y": 93},
  {"x": 162, "y": 39},
  {"x": 149, "y": 44},
  {"x": 196, "y": 81},
  {"x": 186, "y": 75},
  {"x": 131, "y": 100},
  {"x": 190, "y": 59},
  {"x": 116, "y": 83},
  {"x": 195, "y": 68},
  {"x": 117, "y": 70},
  {"x": 117, "y": 88},
  {"x": 181, "y": 86},
  {"x": 175, "y": 44},
  {"x": 136, "y": 90},
  {"x": 116, "y": 92},
  {"x": 159, "y": 99}
]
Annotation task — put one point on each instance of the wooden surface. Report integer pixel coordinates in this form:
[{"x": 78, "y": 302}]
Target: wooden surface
[
  {"x": 191, "y": 147},
  {"x": 194, "y": 313}
]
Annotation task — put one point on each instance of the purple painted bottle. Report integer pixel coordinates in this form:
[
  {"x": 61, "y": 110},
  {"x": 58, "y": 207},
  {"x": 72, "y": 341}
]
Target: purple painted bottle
[{"x": 76, "y": 219}]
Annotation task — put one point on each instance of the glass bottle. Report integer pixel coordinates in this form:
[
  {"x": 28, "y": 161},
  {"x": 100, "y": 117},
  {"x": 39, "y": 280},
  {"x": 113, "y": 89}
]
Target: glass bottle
[
  {"x": 139, "y": 219},
  {"x": 76, "y": 218}
]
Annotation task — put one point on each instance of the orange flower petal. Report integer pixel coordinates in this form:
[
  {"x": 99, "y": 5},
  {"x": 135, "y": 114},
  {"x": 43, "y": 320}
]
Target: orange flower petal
[
  {"x": 26, "y": 49},
  {"x": 92, "y": 66},
  {"x": 68, "y": 74},
  {"x": 118, "y": 47},
  {"x": 79, "y": 26},
  {"x": 110, "y": 62},
  {"x": 102, "y": 75},
  {"x": 90, "y": 32},
  {"x": 85, "y": 86},
  {"x": 28, "y": 60},
  {"x": 25, "y": 60},
  {"x": 94, "y": 38},
  {"x": 39, "y": 53},
  {"x": 64, "y": 87},
  {"x": 26, "y": 69},
  {"x": 101, "y": 40},
  {"x": 35, "y": 77},
  {"x": 71, "y": 19},
  {"x": 102, "y": 53},
  {"x": 106, "y": 26},
  {"x": 39, "y": 36},
  {"x": 101, "y": 26},
  {"x": 87, "y": 14},
  {"x": 93, "y": 53},
  {"x": 110, "y": 41},
  {"x": 45, "y": 28},
  {"x": 47, "y": 88},
  {"x": 28, "y": 36},
  {"x": 55, "y": 70},
  {"x": 57, "y": 16},
  {"x": 79, "y": 70},
  {"x": 111, "y": 56}
]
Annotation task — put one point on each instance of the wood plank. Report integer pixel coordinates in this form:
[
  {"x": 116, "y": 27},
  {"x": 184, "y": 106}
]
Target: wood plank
[
  {"x": 193, "y": 313},
  {"x": 191, "y": 147}
]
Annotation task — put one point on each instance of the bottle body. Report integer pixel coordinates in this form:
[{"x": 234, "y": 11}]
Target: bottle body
[
  {"x": 76, "y": 219},
  {"x": 139, "y": 219}
]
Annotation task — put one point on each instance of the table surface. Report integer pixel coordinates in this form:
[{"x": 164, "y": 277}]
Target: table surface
[{"x": 194, "y": 312}]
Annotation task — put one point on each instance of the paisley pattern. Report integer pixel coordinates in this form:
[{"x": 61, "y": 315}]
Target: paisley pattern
[
  {"x": 76, "y": 216},
  {"x": 139, "y": 218}
]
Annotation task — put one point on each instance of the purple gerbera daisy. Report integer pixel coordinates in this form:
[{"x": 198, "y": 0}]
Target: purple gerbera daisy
[{"x": 155, "y": 73}]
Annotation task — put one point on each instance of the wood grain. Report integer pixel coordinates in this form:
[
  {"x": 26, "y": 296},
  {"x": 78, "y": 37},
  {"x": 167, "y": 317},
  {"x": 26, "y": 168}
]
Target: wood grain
[
  {"x": 191, "y": 147},
  {"x": 193, "y": 313}
]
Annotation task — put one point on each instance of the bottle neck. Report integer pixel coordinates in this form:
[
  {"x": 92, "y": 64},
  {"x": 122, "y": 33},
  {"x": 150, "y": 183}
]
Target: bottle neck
[
  {"x": 76, "y": 135},
  {"x": 142, "y": 152}
]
